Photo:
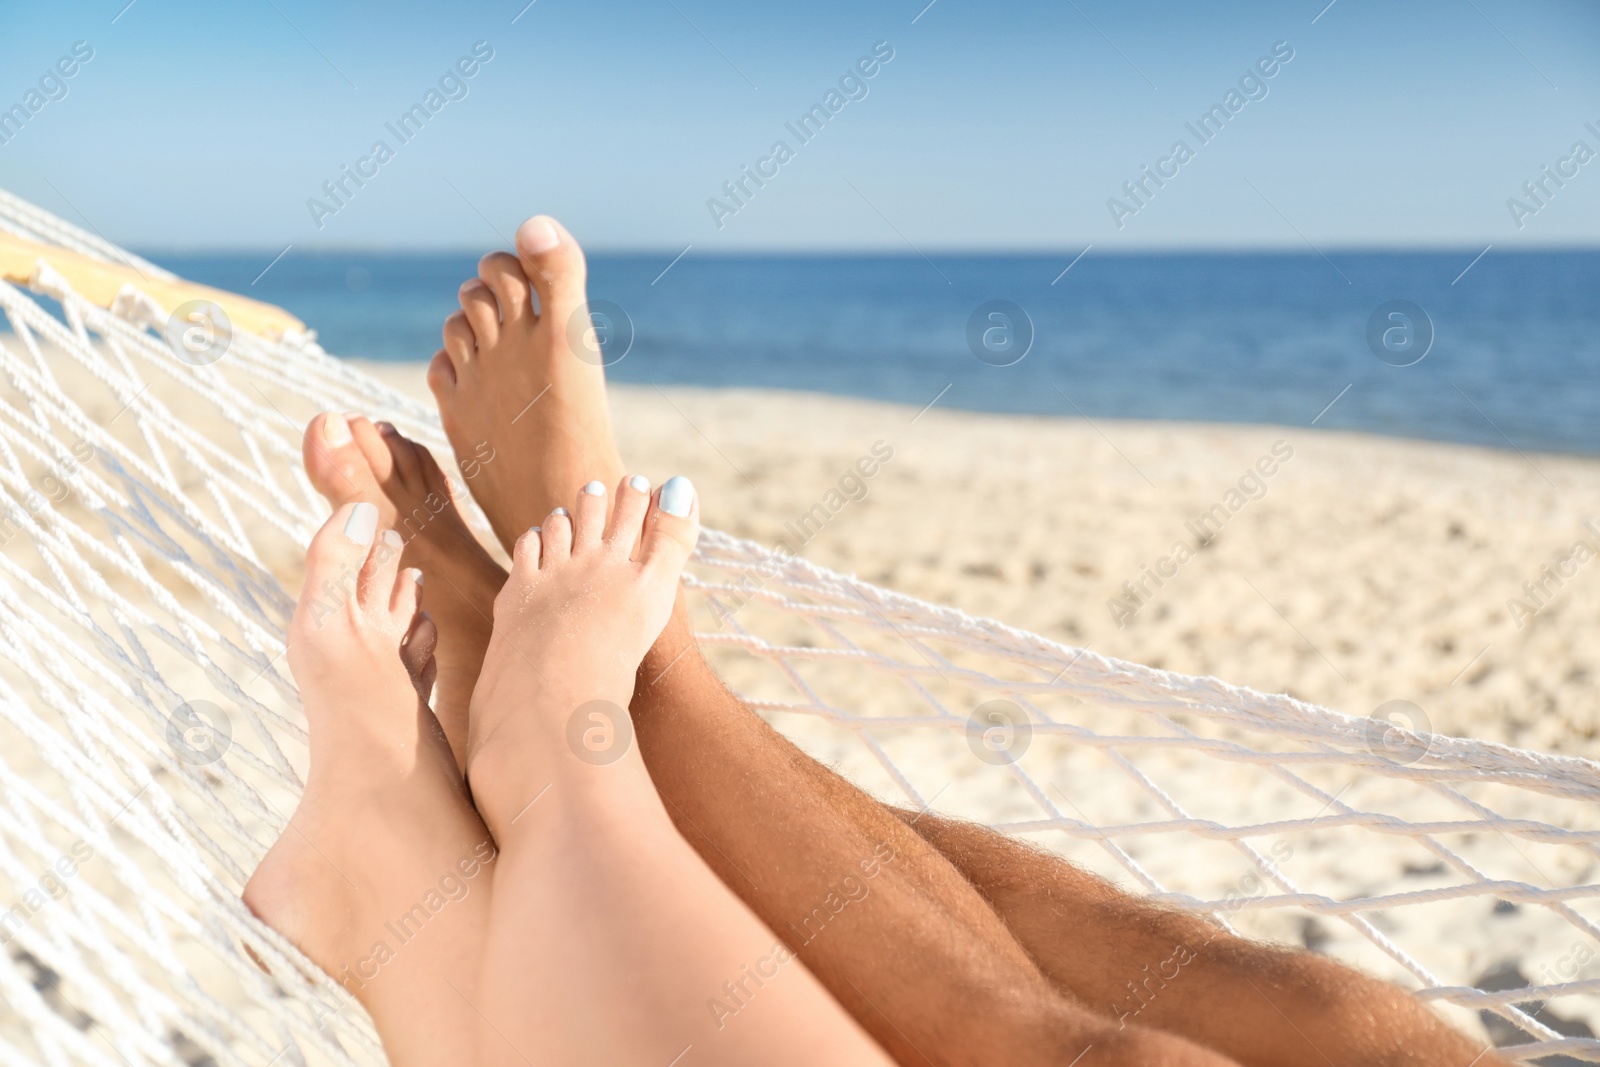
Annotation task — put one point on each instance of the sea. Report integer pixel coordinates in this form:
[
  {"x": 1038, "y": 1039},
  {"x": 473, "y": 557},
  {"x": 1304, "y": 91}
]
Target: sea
[{"x": 1486, "y": 347}]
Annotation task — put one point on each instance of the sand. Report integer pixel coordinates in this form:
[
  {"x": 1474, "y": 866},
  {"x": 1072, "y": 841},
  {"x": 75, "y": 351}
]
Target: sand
[{"x": 1364, "y": 569}]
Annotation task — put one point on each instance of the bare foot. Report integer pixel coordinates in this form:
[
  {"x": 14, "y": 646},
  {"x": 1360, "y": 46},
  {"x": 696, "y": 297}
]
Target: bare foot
[
  {"x": 381, "y": 877},
  {"x": 349, "y": 458},
  {"x": 520, "y": 383},
  {"x": 587, "y": 597}
]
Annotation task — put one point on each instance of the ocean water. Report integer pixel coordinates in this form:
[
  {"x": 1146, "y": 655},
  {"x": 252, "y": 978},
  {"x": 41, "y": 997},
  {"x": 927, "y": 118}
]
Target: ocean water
[{"x": 1505, "y": 355}]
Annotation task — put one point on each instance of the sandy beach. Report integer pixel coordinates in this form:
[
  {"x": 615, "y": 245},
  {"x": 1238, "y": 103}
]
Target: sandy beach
[{"x": 1362, "y": 570}]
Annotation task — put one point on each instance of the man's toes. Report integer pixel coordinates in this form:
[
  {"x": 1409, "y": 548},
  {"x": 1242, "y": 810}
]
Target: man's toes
[
  {"x": 501, "y": 272},
  {"x": 672, "y": 527},
  {"x": 589, "y": 517},
  {"x": 478, "y": 303},
  {"x": 336, "y": 466},
  {"x": 459, "y": 339},
  {"x": 442, "y": 376},
  {"x": 627, "y": 514},
  {"x": 553, "y": 263},
  {"x": 405, "y": 460},
  {"x": 374, "y": 448}
]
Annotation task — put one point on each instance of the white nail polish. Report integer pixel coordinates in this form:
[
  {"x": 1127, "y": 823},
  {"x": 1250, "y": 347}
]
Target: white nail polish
[
  {"x": 594, "y": 489},
  {"x": 362, "y": 524},
  {"x": 639, "y": 483},
  {"x": 536, "y": 529},
  {"x": 416, "y": 576},
  {"x": 393, "y": 539},
  {"x": 559, "y": 511},
  {"x": 677, "y": 496}
]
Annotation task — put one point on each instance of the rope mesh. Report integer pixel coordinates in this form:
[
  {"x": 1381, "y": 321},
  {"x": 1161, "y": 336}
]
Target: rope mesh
[{"x": 152, "y": 744}]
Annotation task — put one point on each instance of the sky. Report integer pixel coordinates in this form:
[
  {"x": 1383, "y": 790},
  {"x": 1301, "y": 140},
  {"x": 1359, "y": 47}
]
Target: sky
[{"x": 1000, "y": 125}]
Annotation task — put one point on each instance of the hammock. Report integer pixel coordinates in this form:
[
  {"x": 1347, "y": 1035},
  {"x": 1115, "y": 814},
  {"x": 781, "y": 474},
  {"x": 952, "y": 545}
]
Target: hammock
[{"x": 152, "y": 744}]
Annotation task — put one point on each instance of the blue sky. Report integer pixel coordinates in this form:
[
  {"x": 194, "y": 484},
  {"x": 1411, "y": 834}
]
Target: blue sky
[{"x": 1003, "y": 125}]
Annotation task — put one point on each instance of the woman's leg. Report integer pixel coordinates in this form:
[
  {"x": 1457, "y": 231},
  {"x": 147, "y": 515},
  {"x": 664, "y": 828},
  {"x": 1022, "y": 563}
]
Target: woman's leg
[
  {"x": 381, "y": 877},
  {"x": 611, "y": 942}
]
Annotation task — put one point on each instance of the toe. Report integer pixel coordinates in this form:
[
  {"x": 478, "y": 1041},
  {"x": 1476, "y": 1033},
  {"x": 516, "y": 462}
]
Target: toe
[
  {"x": 555, "y": 538},
  {"x": 552, "y": 261},
  {"x": 525, "y": 553},
  {"x": 404, "y": 457},
  {"x": 627, "y": 515},
  {"x": 459, "y": 339},
  {"x": 334, "y": 561},
  {"x": 375, "y": 589},
  {"x": 478, "y": 303},
  {"x": 373, "y": 447},
  {"x": 336, "y": 466},
  {"x": 671, "y": 528},
  {"x": 442, "y": 375},
  {"x": 405, "y": 600},
  {"x": 416, "y": 652},
  {"x": 589, "y": 517},
  {"x": 501, "y": 272}
]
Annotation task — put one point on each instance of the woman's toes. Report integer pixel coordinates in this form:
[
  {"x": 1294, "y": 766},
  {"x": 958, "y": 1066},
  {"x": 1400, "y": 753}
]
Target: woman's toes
[
  {"x": 555, "y": 537},
  {"x": 375, "y": 588},
  {"x": 672, "y": 526},
  {"x": 405, "y": 600},
  {"x": 627, "y": 514},
  {"x": 482, "y": 310},
  {"x": 553, "y": 263},
  {"x": 416, "y": 652},
  {"x": 589, "y": 517},
  {"x": 525, "y": 553},
  {"x": 336, "y": 466},
  {"x": 459, "y": 339},
  {"x": 334, "y": 560},
  {"x": 501, "y": 272}
]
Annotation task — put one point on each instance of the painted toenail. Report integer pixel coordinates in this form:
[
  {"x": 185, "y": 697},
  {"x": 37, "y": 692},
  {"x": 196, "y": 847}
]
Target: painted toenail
[
  {"x": 387, "y": 428},
  {"x": 536, "y": 529},
  {"x": 677, "y": 496},
  {"x": 392, "y": 539},
  {"x": 362, "y": 524},
  {"x": 559, "y": 511},
  {"x": 639, "y": 483},
  {"x": 537, "y": 235},
  {"x": 594, "y": 489},
  {"x": 336, "y": 431},
  {"x": 416, "y": 576}
]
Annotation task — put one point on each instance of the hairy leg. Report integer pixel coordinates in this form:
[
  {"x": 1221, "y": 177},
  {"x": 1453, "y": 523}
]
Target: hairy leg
[
  {"x": 381, "y": 876},
  {"x": 1263, "y": 1006},
  {"x": 608, "y": 935},
  {"x": 891, "y": 929}
]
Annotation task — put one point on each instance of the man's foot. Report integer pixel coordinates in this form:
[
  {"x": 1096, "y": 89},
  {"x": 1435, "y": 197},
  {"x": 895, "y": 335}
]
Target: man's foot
[
  {"x": 520, "y": 389},
  {"x": 587, "y": 598},
  {"x": 380, "y": 877},
  {"x": 349, "y": 459}
]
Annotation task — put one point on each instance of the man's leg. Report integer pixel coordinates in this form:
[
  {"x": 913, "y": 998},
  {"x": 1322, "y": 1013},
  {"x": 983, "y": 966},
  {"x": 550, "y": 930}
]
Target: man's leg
[
  {"x": 1258, "y": 1004},
  {"x": 890, "y": 928}
]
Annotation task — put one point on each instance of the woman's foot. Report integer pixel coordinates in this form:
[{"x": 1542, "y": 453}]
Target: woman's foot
[
  {"x": 381, "y": 877},
  {"x": 348, "y": 458},
  {"x": 587, "y": 597},
  {"x": 523, "y": 384}
]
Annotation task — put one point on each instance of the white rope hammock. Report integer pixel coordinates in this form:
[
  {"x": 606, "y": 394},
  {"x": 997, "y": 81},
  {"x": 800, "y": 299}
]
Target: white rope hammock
[{"x": 152, "y": 744}]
